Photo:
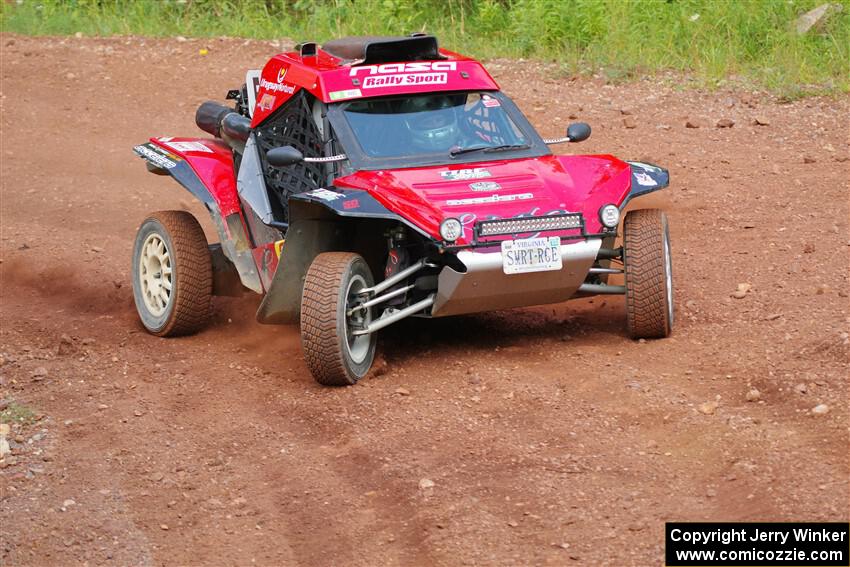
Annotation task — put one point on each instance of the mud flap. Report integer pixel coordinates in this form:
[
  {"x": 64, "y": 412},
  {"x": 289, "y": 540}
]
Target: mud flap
[
  {"x": 305, "y": 239},
  {"x": 225, "y": 276}
]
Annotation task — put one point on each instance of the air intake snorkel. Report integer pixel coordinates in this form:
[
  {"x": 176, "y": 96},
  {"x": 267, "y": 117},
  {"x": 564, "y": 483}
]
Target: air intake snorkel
[{"x": 225, "y": 123}]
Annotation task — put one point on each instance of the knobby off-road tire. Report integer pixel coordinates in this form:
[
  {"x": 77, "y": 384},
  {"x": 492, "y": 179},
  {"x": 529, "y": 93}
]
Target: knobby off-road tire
[
  {"x": 172, "y": 274},
  {"x": 334, "y": 356},
  {"x": 649, "y": 274}
]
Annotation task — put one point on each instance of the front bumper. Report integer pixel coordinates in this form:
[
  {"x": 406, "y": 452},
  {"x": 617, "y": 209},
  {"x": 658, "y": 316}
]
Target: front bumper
[{"x": 485, "y": 287}]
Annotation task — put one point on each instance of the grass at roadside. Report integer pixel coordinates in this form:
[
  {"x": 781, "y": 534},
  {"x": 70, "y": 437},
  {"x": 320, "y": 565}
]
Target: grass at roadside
[
  {"x": 17, "y": 413},
  {"x": 715, "y": 40}
]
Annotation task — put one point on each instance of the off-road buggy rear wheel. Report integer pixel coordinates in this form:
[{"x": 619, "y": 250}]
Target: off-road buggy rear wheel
[
  {"x": 330, "y": 316},
  {"x": 172, "y": 274},
  {"x": 649, "y": 274}
]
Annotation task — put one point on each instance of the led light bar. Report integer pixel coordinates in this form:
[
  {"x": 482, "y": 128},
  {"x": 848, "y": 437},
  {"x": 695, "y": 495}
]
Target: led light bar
[{"x": 530, "y": 224}]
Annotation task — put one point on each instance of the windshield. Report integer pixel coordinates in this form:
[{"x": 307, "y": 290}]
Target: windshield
[{"x": 435, "y": 124}]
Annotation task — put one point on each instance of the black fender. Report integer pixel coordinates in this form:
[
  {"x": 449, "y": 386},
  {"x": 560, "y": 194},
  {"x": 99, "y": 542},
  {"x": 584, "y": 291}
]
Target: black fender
[
  {"x": 646, "y": 178},
  {"x": 321, "y": 220}
]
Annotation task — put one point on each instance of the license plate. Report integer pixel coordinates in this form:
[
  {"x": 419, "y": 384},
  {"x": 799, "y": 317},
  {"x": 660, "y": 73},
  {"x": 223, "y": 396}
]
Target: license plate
[{"x": 531, "y": 255}]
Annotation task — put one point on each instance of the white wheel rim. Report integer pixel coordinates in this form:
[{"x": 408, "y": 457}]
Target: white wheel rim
[
  {"x": 155, "y": 274},
  {"x": 668, "y": 275},
  {"x": 356, "y": 345}
]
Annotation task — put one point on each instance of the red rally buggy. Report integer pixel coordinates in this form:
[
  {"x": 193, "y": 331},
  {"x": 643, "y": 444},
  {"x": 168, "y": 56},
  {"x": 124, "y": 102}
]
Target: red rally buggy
[{"x": 377, "y": 178}]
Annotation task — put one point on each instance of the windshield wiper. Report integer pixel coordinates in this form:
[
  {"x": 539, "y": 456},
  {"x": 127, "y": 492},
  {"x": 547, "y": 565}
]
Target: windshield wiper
[{"x": 458, "y": 151}]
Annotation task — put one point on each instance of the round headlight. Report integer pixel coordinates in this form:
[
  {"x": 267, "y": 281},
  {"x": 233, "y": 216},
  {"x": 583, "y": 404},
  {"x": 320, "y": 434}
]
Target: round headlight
[
  {"x": 610, "y": 216},
  {"x": 451, "y": 229}
]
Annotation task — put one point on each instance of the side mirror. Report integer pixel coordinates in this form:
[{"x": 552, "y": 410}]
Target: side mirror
[
  {"x": 578, "y": 132},
  {"x": 284, "y": 156}
]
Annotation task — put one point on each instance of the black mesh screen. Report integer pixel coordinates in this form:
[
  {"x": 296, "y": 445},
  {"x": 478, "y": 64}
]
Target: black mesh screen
[{"x": 291, "y": 125}]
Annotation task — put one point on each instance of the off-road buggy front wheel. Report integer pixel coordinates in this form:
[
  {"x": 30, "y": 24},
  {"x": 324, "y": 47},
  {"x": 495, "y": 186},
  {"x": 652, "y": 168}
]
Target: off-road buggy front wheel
[
  {"x": 649, "y": 274},
  {"x": 330, "y": 317},
  {"x": 172, "y": 274}
]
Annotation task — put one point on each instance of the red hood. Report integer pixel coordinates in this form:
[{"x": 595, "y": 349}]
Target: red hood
[{"x": 528, "y": 187}]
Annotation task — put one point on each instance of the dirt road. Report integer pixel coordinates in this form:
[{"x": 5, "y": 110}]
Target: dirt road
[{"x": 530, "y": 437}]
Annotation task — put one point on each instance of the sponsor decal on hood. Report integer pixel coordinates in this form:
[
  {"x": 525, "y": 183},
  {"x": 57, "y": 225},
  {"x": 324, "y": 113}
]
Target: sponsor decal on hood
[
  {"x": 489, "y": 199},
  {"x": 463, "y": 174},
  {"x": 485, "y": 186}
]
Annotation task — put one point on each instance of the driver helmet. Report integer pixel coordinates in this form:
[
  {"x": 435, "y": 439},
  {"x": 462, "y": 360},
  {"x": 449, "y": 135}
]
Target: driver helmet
[{"x": 432, "y": 121}]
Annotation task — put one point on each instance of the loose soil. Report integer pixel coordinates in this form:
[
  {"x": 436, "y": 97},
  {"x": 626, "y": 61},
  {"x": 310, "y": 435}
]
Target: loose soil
[{"x": 539, "y": 436}]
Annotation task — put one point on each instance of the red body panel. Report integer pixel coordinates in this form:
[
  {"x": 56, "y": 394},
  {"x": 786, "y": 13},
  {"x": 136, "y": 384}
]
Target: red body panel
[
  {"x": 540, "y": 186},
  {"x": 213, "y": 166},
  {"x": 322, "y": 76},
  {"x": 537, "y": 186},
  {"x": 266, "y": 260}
]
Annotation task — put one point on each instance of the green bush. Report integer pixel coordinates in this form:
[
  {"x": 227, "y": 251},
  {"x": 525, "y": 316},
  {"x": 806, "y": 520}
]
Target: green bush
[{"x": 712, "y": 39}]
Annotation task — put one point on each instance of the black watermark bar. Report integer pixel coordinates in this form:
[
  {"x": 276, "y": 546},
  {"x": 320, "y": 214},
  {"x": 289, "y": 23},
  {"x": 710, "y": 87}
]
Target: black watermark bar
[{"x": 822, "y": 544}]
